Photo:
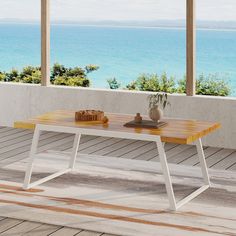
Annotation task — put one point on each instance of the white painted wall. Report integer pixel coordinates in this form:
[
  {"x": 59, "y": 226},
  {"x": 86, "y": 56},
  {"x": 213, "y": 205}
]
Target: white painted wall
[{"x": 21, "y": 101}]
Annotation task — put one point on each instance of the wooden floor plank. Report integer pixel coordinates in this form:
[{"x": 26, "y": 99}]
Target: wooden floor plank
[
  {"x": 172, "y": 152},
  {"x": 44, "y": 230},
  {"x": 22, "y": 145},
  {"x": 16, "y": 143},
  {"x": 17, "y": 155},
  {"x": 8, "y": 129},
  {"x": 46, "y": 139},
  {"x": 121, "y": 144},
  {"x": 25, "y": 144},
  {"x": 9, "y": 132},
  {"x": 86, "y": 140},
  {"x": 15, "y": 140},
  {"x": 225, "y": 163},
  {"x": 88, "y": 233},
  {"x": 5, "y": 138},
  {"x": 180, "y": 157},
  {"x": 7, "y": 224},
  {"x": 128, "y": 148},
  {"x": 213, "y": 159},
  {"x": 153, "y": 153},
  {"x": 193, "y": 160},
  {"x": 99, "y": 146},
  {"x": 147, "y": 155},
  {"x": 140, "y": 151},
  {"x": 21, "y": 229},
  {"x": 232, "y": 168},
  {"x": 108, "y": 235},
  {"x": 56, "y": 142},
  {"x": 90, "y": 142},
  {"x": 66, "y": 232}
]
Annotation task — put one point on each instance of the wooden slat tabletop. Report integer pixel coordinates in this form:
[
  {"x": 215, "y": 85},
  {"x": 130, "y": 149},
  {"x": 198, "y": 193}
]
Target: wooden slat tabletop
[{"x": 176, "y": 131}]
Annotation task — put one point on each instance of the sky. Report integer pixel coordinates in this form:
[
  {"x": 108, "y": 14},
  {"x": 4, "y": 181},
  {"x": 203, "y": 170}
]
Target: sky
[{"x": 117, "y": 10}]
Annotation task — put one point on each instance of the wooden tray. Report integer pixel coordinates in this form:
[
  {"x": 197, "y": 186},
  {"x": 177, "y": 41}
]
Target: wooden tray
[
  {"x": 89, "y": 115},
  {"x": 145, "y": 124}
]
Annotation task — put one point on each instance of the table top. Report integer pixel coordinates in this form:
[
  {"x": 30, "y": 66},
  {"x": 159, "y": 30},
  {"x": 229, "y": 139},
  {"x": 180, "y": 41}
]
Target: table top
[{"x": 176, "y": 131}]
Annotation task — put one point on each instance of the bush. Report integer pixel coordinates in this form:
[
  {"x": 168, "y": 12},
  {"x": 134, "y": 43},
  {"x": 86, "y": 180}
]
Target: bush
[
  {"x": 2, "y": 76},
  {"x": 60, "y": 75},
  {"x": 207, "y": 85},
  {"x": 29, "y": 71},
  {"x": 60, "y": 80},
  {"x": 74, "y": 72},
  {"x": 154, "y": 83},
  {"x": 78, "y": 81},
  {"x": 211, "y": 84},
  {"x": 58, "y": 70},
  {"x": 72, "y": 81},
  {"x": 12, "y": 76},
  {"x": 76, "y": 76},
  {"x": 113, "y": 83},
  {"x": 34, "y": 78},
  {"x": 91, "y": 68}
]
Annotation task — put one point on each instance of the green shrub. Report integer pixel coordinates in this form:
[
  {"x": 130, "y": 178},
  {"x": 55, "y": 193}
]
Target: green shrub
[
  {"x": 74, "y": 72},
  {"x": 91, "y": 68},
  {"x": 60, "y": 75},
  {"x": 34, "y": 78},
  {"x": 211, "y": 84},
  {"x": 60, "y": 80},
  {"x": 181, "y": 87},
  {"x": 76, "y": 76},
  {"x": 2, "y": 76},
  {"x": 78, "y": 81},
  {"x": 29, "y": 71},
  {"x": 71, "y": 81},
  {"x": 58, "y": 70},
  {"x": 154, "y": 83},
  {"x": 113, "y": 83},
  {"x": 12, "y": 76}
]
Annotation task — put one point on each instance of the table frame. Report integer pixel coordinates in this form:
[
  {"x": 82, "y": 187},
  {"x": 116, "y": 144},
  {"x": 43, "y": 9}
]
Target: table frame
[{"x": 114, "y": 134}]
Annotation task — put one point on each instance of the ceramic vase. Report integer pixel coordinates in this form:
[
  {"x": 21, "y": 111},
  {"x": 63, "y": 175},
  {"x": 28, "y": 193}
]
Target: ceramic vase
[{"x": 155, "y": 113}]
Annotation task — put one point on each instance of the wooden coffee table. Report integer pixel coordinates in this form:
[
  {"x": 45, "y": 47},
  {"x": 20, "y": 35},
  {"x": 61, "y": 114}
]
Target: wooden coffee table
[{"x": 176, "y": 131}]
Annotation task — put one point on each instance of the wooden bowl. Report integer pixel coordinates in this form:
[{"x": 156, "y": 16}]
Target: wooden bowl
[{"x": 89, "y": 115}]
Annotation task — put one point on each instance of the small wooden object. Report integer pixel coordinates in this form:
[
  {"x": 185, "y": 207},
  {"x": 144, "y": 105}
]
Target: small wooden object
[
  {"x": 138, "y": 118},
  {"x": 89, "y": 115},
  {"x": 105, "y": 119}
]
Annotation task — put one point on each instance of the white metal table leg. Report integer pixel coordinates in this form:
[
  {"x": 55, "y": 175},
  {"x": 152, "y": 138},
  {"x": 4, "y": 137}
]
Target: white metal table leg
[
  {"x": 33, "y": 151},
  {"x": 166, "y": 173},
  {"x": 74, "y": 151},
  {"x": 169, "y": 188},
  {"x": 202, "y": 160},
  {"x": 27, "y": 184}
]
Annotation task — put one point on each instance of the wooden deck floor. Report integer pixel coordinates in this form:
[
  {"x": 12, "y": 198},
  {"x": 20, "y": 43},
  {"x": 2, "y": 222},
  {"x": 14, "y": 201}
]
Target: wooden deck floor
[
  {"x": 15, "y": 227},
  {"x": 15, "y": 146}
]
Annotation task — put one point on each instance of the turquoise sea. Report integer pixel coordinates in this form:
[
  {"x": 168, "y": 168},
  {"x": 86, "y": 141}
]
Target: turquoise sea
[{"x": 123, "y": 53}]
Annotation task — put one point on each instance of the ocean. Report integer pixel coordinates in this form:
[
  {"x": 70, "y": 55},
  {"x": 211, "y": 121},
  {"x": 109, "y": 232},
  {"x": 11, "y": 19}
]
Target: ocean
[{"x": 123, "y": 53}]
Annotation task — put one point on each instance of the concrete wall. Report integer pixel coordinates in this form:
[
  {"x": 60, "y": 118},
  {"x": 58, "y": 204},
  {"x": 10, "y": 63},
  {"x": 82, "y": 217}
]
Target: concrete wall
[{"x": 21, "y": 101}]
